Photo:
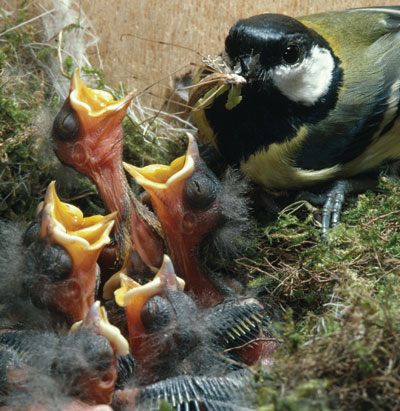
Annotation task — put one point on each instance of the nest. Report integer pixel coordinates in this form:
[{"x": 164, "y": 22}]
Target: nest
[{"x": 341, "y": 329}]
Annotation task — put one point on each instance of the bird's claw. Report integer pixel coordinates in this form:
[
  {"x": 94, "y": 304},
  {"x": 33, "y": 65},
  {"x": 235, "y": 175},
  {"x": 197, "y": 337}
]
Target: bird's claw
[
  {"x": 333, "y": 205},
  {"x": 332, "y": 202}
]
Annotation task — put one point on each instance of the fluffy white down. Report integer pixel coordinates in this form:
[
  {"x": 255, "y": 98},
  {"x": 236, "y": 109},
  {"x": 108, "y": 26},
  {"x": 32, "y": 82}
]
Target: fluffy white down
[{"x": 307, "y": 81}]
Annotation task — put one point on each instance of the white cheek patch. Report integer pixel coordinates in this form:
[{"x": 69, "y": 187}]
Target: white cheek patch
[{"x": 308, "y": 81}]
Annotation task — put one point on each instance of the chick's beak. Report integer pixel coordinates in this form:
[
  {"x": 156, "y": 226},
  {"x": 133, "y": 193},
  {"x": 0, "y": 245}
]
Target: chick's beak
[
  {"x": 134, "y": 296},
  {"x": 97, "y": 320},
  {"x": 83, "y": 238},
  {"x": 165, "y": 183},
  {"x": 161, "y": 177},
  {"x": 87, "y": 131},
  {"x": 185, "y": 197},
  {"x": 93, "y": 106}
]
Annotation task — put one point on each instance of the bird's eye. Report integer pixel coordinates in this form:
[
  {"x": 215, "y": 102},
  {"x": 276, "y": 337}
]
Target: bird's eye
[
  {"x": 66, "y": 125},
  {"x": 291, "y": 54},
  {"x": 98, "y": 352},
  {"x": 54, "y": 262},
  {"x": 201, "y": 189},
  {"x": 32, "y": 233},
  {"x": 156, "y": 314}
]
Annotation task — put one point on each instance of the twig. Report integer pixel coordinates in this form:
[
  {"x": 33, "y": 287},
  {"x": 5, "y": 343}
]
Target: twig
[
  {"x": 380, "y": 217},
  {"x": 27, "y": 22},
  {"x": 252, "y": 342},
  {"x": 59, "y": 48}
]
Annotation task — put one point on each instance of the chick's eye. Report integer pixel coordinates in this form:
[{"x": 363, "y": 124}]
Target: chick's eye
[
  {"x": 66, "y": 125},
  {"x": 55, "y": 263},
  {"x": 32, "y": 233},
  {"x": 156, "y": 313},
  {"x": 98, "y": 352},
  {"x": 291, "y": 54},
  {"x": 200, "y": 190}
]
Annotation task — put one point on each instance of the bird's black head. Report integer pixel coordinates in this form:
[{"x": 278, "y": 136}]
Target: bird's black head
[{"x": 278, "y": 53}]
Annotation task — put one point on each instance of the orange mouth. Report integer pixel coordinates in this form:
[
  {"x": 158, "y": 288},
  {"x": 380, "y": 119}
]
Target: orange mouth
[
  {"x": 162, "y": 177},
  {"x": 92, "y": 103},
  {"x": 83, "y": 238}
]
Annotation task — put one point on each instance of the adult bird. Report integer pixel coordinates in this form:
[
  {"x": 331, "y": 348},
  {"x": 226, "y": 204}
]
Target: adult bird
[{"x": 319, "y": 99}]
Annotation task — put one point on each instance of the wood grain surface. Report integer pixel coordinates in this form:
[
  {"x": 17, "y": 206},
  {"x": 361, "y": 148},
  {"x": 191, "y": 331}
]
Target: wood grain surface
[
  {"x": 199, "y": 25},
  {"x": 130, "y": 31}
]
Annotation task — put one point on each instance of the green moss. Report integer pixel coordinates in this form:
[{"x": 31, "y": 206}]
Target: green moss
[
  {"x": 164, "y": 406},
  {"x": 27, "y": 164},
  {"x": 341, "y": 330},
  {"x": 20, "y": 98},
  {"x": 142, "y": 150},
  {"x": 96, "y": 73},
  {"x": 343, "y": 325}
]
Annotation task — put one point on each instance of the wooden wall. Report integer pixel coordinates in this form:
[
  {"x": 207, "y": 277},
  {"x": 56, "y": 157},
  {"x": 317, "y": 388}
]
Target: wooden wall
[{"x": 201, "y": 25}]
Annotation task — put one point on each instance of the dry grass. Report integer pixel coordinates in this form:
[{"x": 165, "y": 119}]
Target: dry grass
[
  {"x": 342, "y": 325},
  {"x": 341, "y": 328}
]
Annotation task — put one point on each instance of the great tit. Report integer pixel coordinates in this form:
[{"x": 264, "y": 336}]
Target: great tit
[{"x": 319, "y": 99}]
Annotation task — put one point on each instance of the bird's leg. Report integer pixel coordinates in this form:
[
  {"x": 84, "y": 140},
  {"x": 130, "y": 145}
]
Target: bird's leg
[
  {"x": 334, "y": 198},
  {"x": 333, "y": 205}
]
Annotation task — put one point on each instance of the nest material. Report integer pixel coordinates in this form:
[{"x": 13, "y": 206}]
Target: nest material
[{"x": 342, "y": 297}]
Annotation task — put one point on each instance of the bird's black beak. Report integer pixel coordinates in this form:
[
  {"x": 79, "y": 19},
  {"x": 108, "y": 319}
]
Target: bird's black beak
[{"x": 246, "y": 65}]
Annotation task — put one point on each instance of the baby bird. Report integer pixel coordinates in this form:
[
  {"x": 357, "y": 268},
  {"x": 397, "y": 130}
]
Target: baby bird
[
  {"x": 88, "y": 136},
  {"x": 157, "y": 339},
  {"x": 49, "y": 278},
  {"x": 201, "y": 217},
  {"x": 186, "y": 354},
  {"x": 52, "y": 372}
]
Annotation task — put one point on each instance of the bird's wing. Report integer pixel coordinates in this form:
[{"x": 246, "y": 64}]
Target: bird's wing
[{"x": 369, "y": 97}]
